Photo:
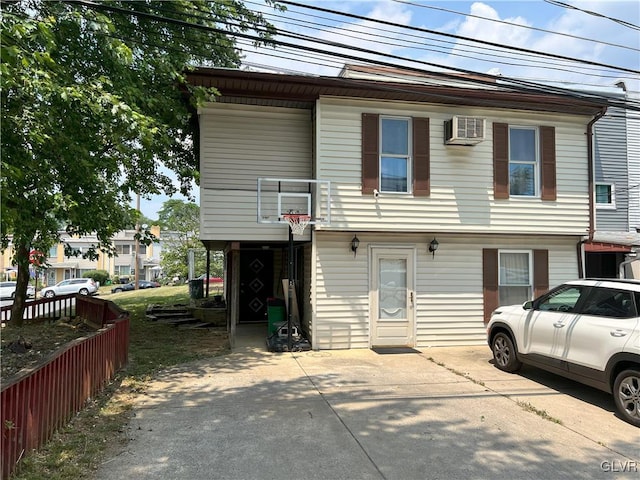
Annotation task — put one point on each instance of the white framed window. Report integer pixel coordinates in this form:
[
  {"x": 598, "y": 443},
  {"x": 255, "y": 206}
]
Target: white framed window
[
  {"x": 524, "y": 162},
  {"x": 123, "y": 249},
  {"x": 515, "y": 276},
  {"x": 605, "y": 195},
  {"x": 53, "y": 251},
  {"x": 395, "y": 155},
  {"x": 122, "y": 270}
]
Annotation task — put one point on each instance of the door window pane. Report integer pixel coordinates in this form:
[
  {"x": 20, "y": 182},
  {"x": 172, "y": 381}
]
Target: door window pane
[
  {"x": 392, "y": 288},
  {"x": 561, "y": 300},
  {"x": 606, "y": 302}
]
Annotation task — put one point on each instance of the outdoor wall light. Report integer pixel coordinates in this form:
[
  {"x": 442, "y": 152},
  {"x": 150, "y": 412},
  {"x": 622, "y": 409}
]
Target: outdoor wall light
[
  {"x": 433, "y": 246},
  {"x": 355, "y": 243}
]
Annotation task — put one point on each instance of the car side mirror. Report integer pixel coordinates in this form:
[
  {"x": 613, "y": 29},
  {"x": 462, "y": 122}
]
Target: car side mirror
[{"x": 528, "y": 305}]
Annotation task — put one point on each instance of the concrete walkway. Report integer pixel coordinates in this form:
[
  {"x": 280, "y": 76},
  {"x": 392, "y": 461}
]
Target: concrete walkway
[{"x": 440, "y": 413}]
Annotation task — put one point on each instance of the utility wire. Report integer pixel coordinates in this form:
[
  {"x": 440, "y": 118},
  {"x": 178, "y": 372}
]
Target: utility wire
[
  {"x": 554, "y": 65},
  {"x": 304, "y": 23},
  {"x": 459, "y": 37},
  {"x": 514, "y": 84},
  {"x": 528, "y": 27},
  {"x": 624, "y": 23}
]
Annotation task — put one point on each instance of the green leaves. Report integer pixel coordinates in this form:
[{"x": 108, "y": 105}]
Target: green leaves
[{"x": 91, "y": 108}]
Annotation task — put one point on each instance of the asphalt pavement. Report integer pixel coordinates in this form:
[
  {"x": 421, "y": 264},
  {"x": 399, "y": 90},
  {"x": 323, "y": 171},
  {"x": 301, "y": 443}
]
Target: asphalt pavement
[{"x": 436, "y": 413}]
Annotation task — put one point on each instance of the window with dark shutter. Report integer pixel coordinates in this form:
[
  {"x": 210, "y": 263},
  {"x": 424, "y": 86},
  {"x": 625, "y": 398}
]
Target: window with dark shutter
[
  {"x": 500, "y": 160},
  {"x": 370, "y": 155},
  {"x": 505, "y": 275},
  {"x": 548, "y": 153},
  {"x": 490, "y": 281},
  {"x": 540, "y": 272},
  {"x": 421, "y": 158},
  {"x": 420, "y": 168},
  {"x": 515, "y": 166}
]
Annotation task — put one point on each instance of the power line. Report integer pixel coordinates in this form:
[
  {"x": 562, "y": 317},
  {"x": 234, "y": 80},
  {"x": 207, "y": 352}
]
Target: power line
[
  {"x": 624, "y": 23},
  {"x": 577, "y": 37},
  {"x": 514, "y": 84},
  {"x": 459, "y": 37},
  {"x": 305, "y": 23},
  {"x": 554, "y": 65}
]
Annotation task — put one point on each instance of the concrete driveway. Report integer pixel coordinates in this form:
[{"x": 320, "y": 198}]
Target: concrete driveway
[{"x": 439, "y": 413}]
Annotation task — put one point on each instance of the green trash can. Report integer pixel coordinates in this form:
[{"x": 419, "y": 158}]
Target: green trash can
[
  {"x": 196, "y": 288},
  {"x": 276, "y": 314}
]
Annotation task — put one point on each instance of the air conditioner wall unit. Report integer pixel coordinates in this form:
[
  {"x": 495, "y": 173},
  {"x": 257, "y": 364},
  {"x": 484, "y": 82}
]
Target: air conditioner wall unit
[{"x": 464, "y": 130}]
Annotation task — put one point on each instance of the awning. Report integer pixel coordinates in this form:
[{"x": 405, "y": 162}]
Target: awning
[
  {"x": 600, "y": 247},
  {"x": 63, "y": 265},
  {"x": 622, "y": 242}
]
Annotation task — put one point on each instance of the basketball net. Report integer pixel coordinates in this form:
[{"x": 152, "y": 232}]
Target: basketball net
[{"x": 297, "y": 222}]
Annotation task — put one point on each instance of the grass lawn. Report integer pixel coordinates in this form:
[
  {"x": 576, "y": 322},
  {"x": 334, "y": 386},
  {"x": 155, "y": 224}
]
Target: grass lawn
[{"x": 77, "y": 450}]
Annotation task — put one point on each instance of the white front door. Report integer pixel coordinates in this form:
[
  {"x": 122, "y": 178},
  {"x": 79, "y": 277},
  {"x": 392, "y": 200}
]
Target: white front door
[{"x": 392, "y": 297}]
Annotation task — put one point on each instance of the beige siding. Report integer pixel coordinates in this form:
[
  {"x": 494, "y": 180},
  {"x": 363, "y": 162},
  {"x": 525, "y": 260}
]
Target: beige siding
[
  {"x": 238, "y": 144},
  {"x": 449, "y": 306},
  {"x": 461, "y": 177}
]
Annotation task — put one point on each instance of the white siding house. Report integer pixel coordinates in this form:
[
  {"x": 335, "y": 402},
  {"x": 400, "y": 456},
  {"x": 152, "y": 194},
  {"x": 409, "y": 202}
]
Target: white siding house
[{"x": 446, "y": 232}]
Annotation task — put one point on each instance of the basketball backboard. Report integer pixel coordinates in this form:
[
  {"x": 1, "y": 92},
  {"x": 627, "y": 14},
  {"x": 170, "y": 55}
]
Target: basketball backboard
[{"x": 281, "y": 196}]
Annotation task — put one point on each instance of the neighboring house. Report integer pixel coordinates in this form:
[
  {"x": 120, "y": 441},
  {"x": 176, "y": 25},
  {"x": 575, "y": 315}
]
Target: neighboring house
[
  {"x": 123, "y": 264},
  {"x": 506, "y": 199},
  {"x": 61, "y": 267},
  {"x": 617, "y": 195}
]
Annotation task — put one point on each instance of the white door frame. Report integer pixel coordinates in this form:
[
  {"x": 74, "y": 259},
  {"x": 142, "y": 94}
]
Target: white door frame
[{"x": 407, "y": 252}]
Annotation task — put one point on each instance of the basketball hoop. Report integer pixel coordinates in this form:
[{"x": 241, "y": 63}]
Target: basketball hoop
[{"x": 297, "y": 222}]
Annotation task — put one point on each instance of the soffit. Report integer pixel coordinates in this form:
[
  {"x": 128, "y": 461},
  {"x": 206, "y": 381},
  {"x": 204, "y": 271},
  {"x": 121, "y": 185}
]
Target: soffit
[{"x": 254, "y": 87}]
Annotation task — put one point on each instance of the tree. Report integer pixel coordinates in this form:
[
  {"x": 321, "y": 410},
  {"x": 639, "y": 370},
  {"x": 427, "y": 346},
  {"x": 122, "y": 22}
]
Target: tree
[
  {"x": 91, "y": 109},
  {"x": 181, "y": 221}
]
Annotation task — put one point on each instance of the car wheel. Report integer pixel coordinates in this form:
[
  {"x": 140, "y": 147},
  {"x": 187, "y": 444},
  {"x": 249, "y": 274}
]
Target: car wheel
[
  {"x": 504, "y": 353},
  {"x": 117, "y": 290},
  {"x": 49, "y": 294},
  {"x": 626, "y": 395},
  {"x": 83, "y": 291}
]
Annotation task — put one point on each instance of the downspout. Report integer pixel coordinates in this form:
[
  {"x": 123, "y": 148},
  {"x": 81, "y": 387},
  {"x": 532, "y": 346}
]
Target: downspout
[
  {"x": 592, "y": 172},
  {"x": 592, "y": 203}
]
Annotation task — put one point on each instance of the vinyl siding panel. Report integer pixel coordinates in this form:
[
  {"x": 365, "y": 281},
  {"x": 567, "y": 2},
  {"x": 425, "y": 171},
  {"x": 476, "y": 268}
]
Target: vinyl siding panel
[
  {"x": 238, "y": 144},
  {"x": 610, "y": 152},
  {"x": 461, "y": 197},
  {"x": 449, "y": 300},
  {"x": 633, "y": 159}
]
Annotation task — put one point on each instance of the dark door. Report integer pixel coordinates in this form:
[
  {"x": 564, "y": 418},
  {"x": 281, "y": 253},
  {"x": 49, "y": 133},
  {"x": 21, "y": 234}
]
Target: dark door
[{"x": 256, "y": 284}]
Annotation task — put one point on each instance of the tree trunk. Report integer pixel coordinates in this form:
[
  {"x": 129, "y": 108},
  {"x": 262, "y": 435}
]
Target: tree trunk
[{"x": 17, "y": 310}]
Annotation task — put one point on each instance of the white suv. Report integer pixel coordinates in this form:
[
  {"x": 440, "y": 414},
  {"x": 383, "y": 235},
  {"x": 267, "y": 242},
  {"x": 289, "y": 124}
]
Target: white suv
[
  {"x": 83, "y": 286},
  {"x": 585, "y": 330}
]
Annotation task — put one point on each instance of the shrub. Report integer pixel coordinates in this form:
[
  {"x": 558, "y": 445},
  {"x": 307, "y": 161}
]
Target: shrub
[{"x": 100, "y": 276}]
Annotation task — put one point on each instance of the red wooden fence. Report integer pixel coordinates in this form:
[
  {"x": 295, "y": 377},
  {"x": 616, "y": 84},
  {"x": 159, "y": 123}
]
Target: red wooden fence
[{"x": 34, "y": 405}]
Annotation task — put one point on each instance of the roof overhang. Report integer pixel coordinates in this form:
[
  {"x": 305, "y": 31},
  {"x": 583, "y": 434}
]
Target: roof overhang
[
  {"x": 612, "y": 242},
  {"x": 238, "y": 86}
]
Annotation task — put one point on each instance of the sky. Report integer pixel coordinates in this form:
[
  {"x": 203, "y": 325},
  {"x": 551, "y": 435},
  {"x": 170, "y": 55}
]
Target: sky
[{"x": 609, "y": 35}]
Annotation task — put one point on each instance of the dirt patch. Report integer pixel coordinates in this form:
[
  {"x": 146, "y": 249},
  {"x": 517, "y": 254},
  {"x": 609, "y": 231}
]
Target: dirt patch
[{"x": 28, "y": 346}]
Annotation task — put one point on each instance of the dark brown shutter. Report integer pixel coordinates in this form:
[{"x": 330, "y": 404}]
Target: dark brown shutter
[
  {"x": 490, "y": 281},
  {"x": 370, "y": 155},
  {"x": 421, "y": 158},
  {"x": 548, "y": 149},
  {"x": 540, "y": 272},
  {"x": 500, "y": 160}
]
